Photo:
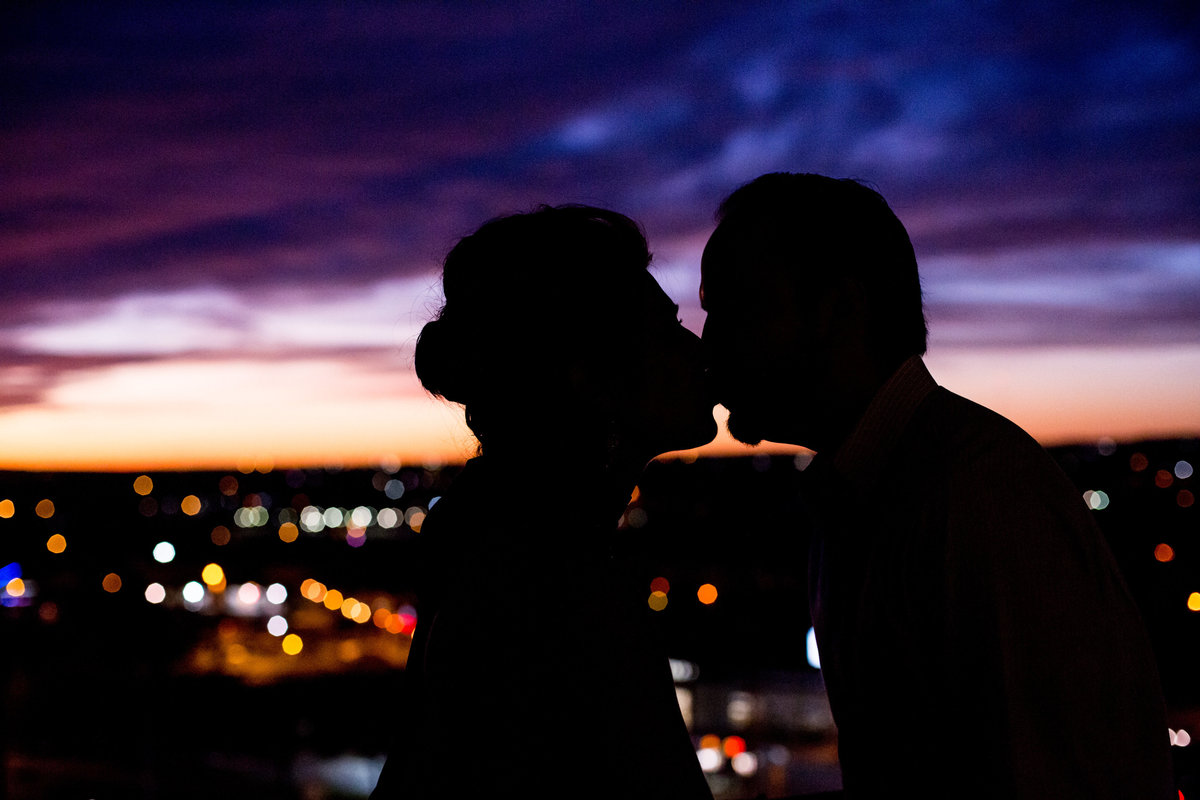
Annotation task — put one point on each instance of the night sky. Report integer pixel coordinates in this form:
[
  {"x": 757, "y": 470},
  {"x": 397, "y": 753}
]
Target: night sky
[{"x": 221, "y": 225}]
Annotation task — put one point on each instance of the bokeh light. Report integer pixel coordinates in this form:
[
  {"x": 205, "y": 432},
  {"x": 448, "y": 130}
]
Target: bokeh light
[
  {"x": 164, "y": 552},
  {"x": 292, "y": 644},
  {"x": 15, "y": 588},
  {"x": 277, "y": 625},
  {"x": 1193, "y": 601},
  {"x": 1138, "y": 462},
  {"x": 155, "y": 593},
  {"x": 57, "y": 543},
  {"x": 657, "y": 601},
  {"x": 7, "y": 509},
  {"x": 1185, "y": 498},
  {"x": 707, "y": 594},
  {"x": 193, "y": 592},
  {"x": 248, "y": 593},
  {"x": 660, "y": 584},
  {"x": 333, "y": 600},
  {"x": 276, "y": 593},
  {"x": 45, "y": 508},
  {"x": 1183, "y": 470},
  {"x": 111, "y": 583},
  {"x": 213, "y": 575},
  {"x": 143, "y": 485},
  {"x": 190, "y": 505},
  {"x": 220, "y": 536},
  {"x": 1164, "y": 552},
  {"x": 288, "y": 532}
]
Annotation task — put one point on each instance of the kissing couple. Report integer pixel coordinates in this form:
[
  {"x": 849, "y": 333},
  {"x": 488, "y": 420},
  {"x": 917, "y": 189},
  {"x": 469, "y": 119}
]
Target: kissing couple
[{"x": 977, "y": 639}]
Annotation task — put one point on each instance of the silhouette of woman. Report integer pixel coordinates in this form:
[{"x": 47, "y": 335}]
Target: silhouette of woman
[{"x": 531, "y": 674}]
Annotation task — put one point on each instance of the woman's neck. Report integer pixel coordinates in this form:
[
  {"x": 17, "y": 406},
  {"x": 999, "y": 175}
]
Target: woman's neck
[{"x": 598, "y": 484}]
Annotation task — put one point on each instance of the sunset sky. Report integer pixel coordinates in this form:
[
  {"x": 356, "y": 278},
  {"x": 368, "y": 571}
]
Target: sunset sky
[{"x": 220, "y": 225}]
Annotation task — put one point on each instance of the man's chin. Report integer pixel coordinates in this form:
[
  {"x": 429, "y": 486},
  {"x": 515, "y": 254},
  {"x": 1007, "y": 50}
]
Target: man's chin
[{"x": 744, "y": 428}]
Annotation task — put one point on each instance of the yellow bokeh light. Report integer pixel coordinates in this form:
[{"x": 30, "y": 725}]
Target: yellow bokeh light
[
  {"x": 333, "y": 600},
  {"x": 213, "y": 575},
  {"x": 45, "y": 508},
  {"x": 349, "y": 607},
  {"x": 288, "y": 532},
  {"x": 7, "y": 509},
  {"x": 56, "y": 543},
  {"x": 15, "y": 588},
  {"x": 657, "y": 601},
  {"x": 707, "y": 594},
  {"x": 111, "y": 583},
  {"x": 143, "y": 485},
  {"x": 361, "y": 614},
  {"x": 190, "y": 505},
  {"x": 381, "y": 617},
  {"x": 1164, "y": 552},
  {"x": 1194, "y": 601},
  {"x": 292, "y": 644}
]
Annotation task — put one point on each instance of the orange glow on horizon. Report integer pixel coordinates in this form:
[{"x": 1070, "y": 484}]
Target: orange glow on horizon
[{"x": 130, "y": 419}]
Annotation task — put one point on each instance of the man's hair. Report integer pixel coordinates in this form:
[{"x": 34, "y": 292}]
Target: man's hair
[{"x": 819, "y": 230}]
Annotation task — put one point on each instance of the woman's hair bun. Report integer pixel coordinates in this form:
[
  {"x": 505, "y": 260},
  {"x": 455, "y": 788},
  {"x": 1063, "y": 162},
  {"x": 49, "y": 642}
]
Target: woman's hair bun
[{"x": 443, "y": 366}]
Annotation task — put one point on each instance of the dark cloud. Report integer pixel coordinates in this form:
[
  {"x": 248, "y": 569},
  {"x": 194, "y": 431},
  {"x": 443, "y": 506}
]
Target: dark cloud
[{"x": 253, "y": 148}]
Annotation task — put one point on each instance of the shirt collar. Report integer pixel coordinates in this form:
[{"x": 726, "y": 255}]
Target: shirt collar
[{"x": 862, "y": 454}]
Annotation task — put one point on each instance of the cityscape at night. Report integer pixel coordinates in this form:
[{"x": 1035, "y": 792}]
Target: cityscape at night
[
  {"x": 179, "y": 634},
  {"x": 223, "y": 226}
]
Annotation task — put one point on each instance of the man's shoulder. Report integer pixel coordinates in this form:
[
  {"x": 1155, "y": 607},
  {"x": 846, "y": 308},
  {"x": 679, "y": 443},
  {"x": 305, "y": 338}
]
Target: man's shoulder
[{"x": 961, "y": 431}]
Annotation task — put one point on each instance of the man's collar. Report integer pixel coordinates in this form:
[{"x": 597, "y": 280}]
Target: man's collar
[{"x": 862, "y": 454}]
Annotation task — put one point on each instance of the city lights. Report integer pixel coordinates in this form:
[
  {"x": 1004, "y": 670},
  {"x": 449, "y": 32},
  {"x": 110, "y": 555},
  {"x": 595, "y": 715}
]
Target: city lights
[
  {"x": 164, "y": 552},
  {"x": 190, "y": 505},
  {"x": 220, "y": 536},
  {"x": 193, "y": 592},
  {"x": 811, "y": 652},
  {"x": 213, "y": 575}
]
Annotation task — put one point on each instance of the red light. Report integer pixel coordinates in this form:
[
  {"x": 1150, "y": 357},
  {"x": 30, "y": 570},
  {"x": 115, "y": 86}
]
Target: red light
[{"x": 734, "y": 745}]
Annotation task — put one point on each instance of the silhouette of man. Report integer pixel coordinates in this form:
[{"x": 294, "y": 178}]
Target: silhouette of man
[{"x": 976, "y": 637}]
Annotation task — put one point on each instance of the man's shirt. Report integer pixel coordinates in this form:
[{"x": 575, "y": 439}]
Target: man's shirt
[{"x": 976, "y": 637}]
